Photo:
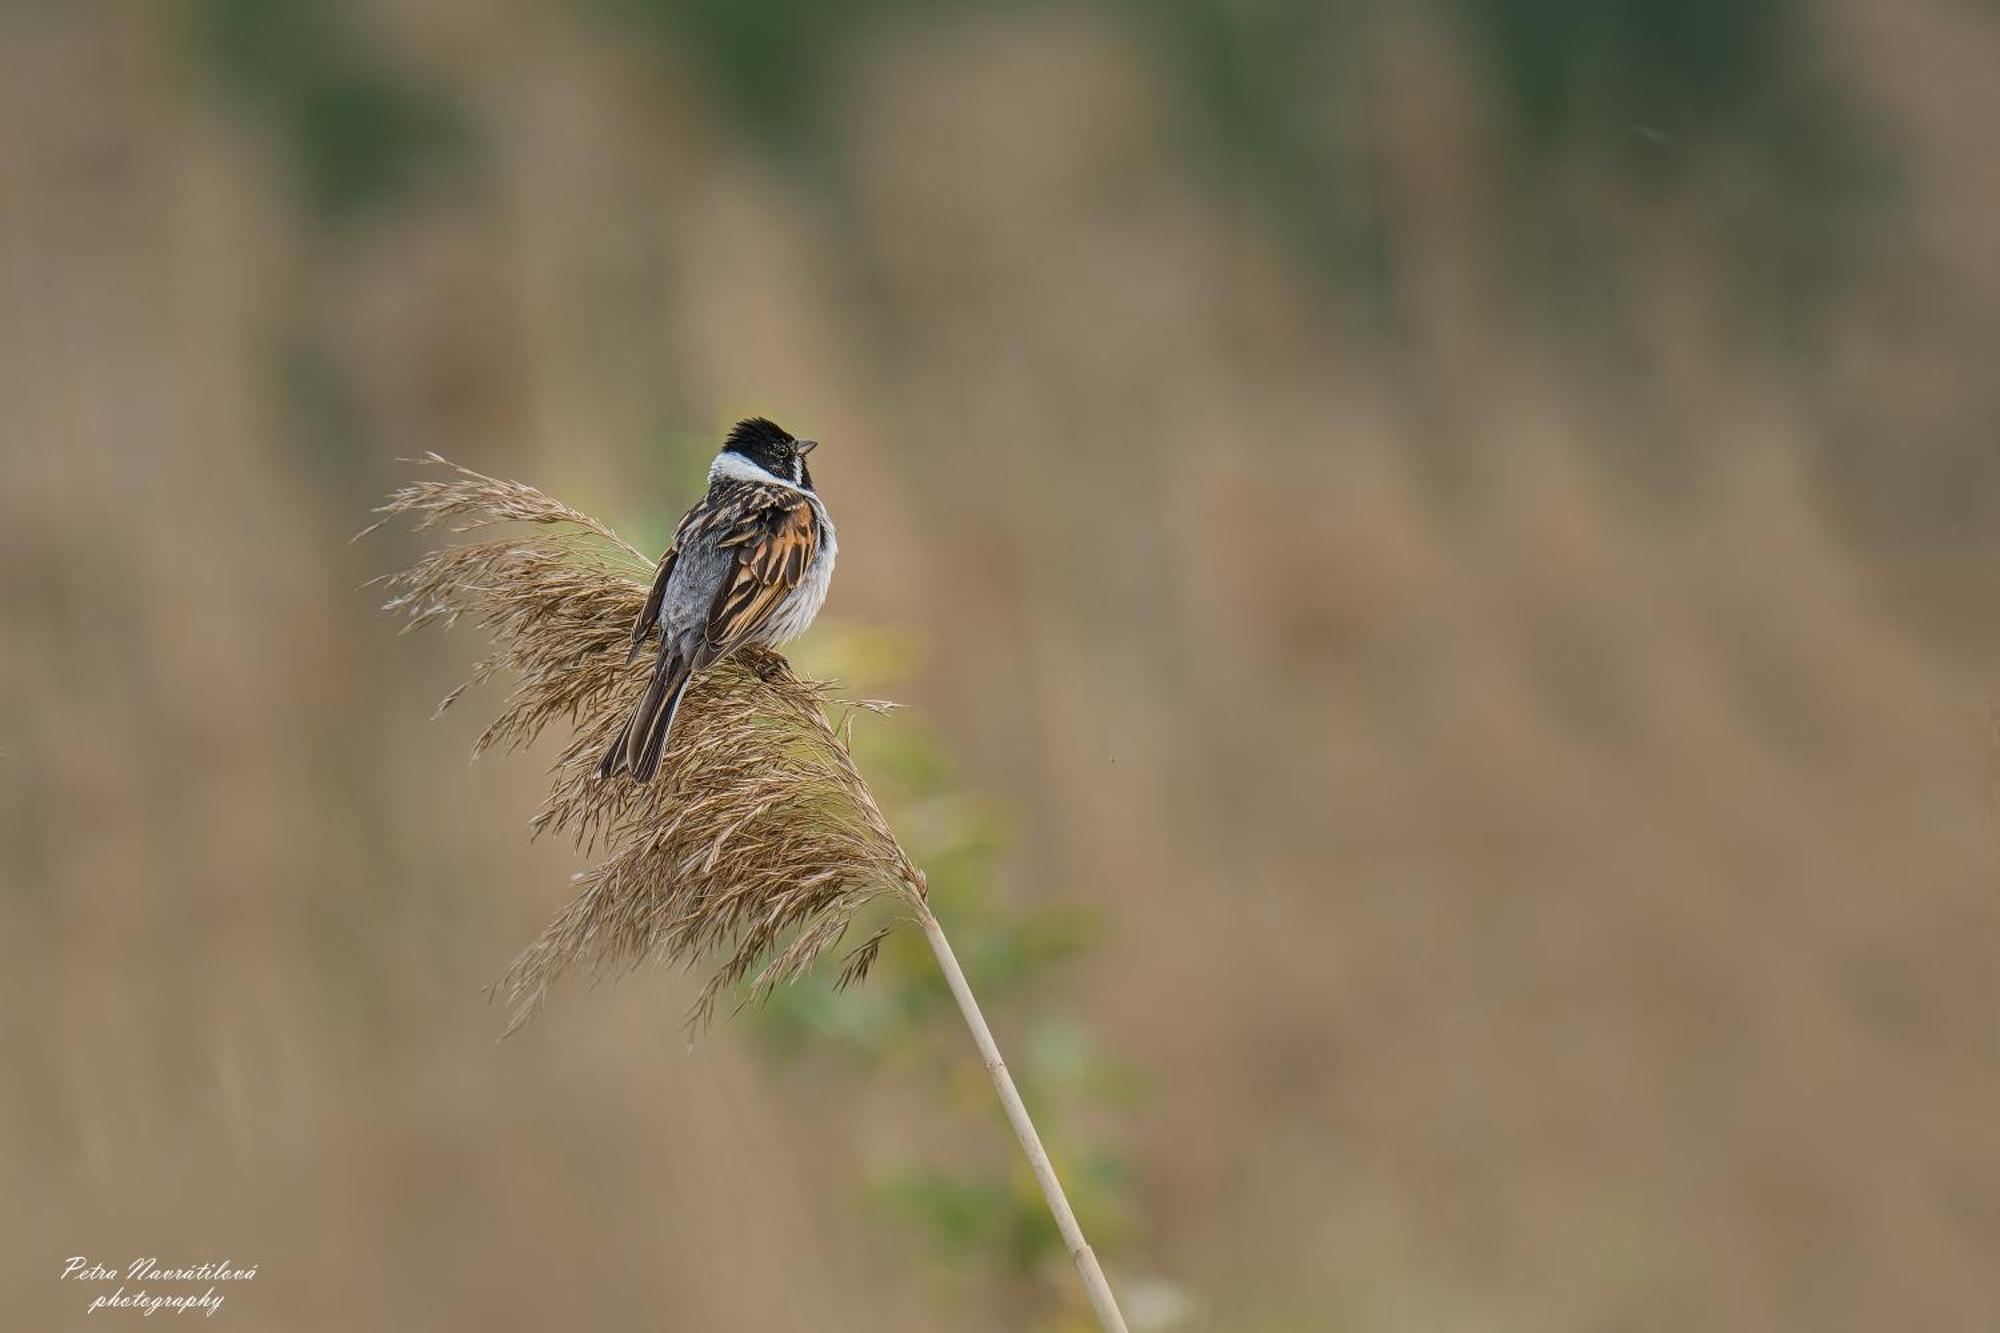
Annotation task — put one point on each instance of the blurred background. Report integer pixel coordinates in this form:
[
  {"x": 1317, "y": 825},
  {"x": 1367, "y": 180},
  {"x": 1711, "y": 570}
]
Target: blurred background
[{"x": 1442, "y": 556}]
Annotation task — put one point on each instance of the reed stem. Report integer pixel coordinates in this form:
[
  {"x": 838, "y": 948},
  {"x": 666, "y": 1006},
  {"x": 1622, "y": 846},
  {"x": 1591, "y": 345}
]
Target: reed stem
[{"x": 1099, "y": 1290}]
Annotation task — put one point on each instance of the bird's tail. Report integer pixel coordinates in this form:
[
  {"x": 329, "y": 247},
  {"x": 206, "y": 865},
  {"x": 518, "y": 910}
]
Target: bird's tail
[{"x": 640, "y": 745}]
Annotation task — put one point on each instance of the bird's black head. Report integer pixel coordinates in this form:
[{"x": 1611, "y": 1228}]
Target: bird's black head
[{"x": 772, "y": 448}]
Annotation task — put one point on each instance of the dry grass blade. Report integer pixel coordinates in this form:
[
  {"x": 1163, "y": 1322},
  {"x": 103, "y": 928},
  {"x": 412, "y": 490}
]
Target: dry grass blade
[{"x": 758, "y": 841}]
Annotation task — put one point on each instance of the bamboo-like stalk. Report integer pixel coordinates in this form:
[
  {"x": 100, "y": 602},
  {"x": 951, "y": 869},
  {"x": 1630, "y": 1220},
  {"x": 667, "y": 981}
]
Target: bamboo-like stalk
[
  {"x": 1087, "y": 1267},
  {"x": 759, "y": 841}
]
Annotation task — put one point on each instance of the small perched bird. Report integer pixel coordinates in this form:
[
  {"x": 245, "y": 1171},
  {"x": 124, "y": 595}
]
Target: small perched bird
[{"x": 750, "y": 563}]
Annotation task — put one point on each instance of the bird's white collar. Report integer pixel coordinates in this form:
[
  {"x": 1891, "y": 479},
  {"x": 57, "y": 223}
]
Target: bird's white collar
[{"x": 736, "y": 467}]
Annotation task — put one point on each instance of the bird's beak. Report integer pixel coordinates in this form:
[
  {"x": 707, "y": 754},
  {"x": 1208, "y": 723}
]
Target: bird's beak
[{"x": 806, "y": 446}]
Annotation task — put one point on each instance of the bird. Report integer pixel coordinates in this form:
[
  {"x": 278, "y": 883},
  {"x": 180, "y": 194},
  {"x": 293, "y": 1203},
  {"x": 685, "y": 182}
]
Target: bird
[{"x": 749, "y": 563}]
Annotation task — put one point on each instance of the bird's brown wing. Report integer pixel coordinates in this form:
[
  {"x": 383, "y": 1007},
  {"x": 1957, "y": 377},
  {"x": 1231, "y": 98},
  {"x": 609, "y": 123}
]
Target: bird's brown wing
[
  {"x": 774, "y": 536},
  {"x": 649, "y": 615}
]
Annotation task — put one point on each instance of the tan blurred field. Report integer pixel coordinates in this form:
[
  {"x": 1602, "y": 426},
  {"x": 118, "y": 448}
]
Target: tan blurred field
[{"x": 1533, "y": 770}]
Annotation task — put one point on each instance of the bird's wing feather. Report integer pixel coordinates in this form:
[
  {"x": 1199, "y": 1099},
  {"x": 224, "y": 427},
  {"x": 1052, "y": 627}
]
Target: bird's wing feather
[
  {"x": 649, "y": 615},
  {"x": 774, "y": 536},
  {"x": 719, "y": 512}
]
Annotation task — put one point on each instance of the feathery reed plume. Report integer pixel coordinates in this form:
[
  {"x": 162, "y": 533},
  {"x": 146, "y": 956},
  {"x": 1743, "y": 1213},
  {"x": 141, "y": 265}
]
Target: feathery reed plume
[{"x": 757, "y": 843}]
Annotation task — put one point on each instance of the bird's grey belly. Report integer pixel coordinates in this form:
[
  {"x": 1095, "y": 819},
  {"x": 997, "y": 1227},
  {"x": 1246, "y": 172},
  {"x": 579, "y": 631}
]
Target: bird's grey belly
[{"x": 698, "y": 571}]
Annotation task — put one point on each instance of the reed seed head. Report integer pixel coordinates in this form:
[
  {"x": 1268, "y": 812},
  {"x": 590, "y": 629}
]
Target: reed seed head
[{"x": 757, "y": 843}]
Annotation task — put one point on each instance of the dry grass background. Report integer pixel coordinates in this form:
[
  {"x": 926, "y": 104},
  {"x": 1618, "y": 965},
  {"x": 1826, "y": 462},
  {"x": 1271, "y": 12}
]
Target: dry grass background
[{"x": 1550, "y": 887}]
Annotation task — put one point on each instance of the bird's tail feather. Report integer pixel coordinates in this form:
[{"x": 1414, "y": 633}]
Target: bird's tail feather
[
  {"x": 646, "y": 760},
  {"x": 644, "y": 738}
]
